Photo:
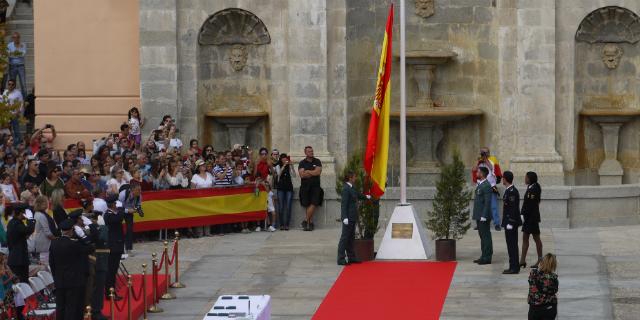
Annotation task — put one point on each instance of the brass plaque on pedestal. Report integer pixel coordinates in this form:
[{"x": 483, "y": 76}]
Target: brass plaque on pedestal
[{"x": 402, "y": 230}]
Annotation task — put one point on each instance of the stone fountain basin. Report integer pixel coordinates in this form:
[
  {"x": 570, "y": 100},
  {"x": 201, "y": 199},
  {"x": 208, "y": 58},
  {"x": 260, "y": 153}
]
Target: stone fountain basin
[
  {"x": 237, "y": 118},
  {"x": 610, "y": 115}
]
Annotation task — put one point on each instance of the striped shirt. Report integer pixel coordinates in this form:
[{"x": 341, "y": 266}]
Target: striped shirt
[{"x": 227, "y": 177}]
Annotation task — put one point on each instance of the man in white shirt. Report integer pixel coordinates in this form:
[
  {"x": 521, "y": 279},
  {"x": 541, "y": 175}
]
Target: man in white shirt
[{"x": 14, "y": 96}]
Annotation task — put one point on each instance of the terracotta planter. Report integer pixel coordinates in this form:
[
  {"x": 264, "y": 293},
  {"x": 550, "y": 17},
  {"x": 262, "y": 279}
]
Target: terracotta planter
[
  {"x": 445, "y": 250},
  {"x": 363, "y": 249}
]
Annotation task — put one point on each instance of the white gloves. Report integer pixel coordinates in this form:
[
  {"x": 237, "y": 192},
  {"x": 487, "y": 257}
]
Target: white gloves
[
  {"x": 79, "y": 232},
  {"x": 345, "y": 221},
  {"x": 483, "y": 219},
  {"x": 368, "y": 197},
  {"x": 509, "y": 227}
]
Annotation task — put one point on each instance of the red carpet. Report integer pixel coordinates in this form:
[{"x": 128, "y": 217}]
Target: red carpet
[
  {"x": 136, "y": 305},
  {"x": 388, "y": 290}
]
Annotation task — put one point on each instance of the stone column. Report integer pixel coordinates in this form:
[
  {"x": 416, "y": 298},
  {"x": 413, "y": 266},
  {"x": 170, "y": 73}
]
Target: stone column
[
  {"x": 307, "y": 76},
  {"x": 610, "y": 170},
  {"x": 535, "y": 96},
  {"x": 158, "y": 61}
]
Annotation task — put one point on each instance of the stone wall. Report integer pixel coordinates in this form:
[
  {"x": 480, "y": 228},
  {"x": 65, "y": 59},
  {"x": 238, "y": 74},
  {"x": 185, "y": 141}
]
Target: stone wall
[
  {"x": 298, "y": 78},
  {"x": 578, "y": 140},
  {"x": 561, "y": 206},
  {"x": 467, "y": 27}
]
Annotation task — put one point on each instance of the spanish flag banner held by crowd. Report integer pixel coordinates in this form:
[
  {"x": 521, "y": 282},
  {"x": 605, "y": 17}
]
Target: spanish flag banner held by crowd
[{"x": 377, "y": 151}]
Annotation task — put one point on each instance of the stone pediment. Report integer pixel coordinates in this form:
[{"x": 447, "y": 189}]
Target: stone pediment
[{"x": 233, "y": 26}]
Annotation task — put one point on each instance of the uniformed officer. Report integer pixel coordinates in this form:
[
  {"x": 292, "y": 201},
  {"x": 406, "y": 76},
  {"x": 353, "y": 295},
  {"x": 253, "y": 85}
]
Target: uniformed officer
[
  {"x": 349, "y": 216},
  {"x": 67, "y": 259},
  {"x": 482, "y": 215},
  {"x": 98, "y": 236},
  {"x": 113, "y": 218},
  {"x": 17, "y": 234},
  {"x": 511, "y": 221}
]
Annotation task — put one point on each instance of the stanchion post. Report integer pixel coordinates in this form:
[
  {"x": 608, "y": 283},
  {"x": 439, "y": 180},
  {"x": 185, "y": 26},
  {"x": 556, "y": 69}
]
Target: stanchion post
[
  {"x": 112, "y": 295},
  {"x": 87, "y": 313},
  {"x": 144, "y": 291},
  {"x": 129, "y": 298},
  {"x": 177, "y": 284},
  {"x": 167, "y": 295},
  {"x": 154, "y": 284}
]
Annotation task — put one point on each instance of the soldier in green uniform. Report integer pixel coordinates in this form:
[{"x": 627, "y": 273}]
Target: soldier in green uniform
[{"x": 482, "y": 215}]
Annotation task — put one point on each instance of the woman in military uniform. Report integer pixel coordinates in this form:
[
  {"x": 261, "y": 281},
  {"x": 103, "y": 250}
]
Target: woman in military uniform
[{"x": 531, "y": 218}]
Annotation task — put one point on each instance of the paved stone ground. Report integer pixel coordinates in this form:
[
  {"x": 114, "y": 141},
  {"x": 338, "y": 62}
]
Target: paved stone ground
[{"x": 598, "y": 272}]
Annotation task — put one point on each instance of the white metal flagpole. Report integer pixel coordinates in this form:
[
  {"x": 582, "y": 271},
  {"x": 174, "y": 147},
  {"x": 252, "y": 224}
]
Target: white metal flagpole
[{"x": 403, "y": 111}]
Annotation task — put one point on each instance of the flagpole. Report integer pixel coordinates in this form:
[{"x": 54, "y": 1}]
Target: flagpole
[{"x": 403, "y": 111}]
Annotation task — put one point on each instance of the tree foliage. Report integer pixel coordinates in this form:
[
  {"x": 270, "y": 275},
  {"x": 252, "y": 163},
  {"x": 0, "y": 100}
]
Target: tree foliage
[
  {"x": 449, "y": 218},
  {"x": 7, "y": 109}
]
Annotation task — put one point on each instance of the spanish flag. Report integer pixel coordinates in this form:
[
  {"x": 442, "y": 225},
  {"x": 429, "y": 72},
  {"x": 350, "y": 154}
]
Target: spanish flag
[{"x": 377, "y": 152}]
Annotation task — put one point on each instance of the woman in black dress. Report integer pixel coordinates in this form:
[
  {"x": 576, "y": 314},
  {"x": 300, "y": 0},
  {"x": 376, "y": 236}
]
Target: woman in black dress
[{"x": 531, "y": 217}]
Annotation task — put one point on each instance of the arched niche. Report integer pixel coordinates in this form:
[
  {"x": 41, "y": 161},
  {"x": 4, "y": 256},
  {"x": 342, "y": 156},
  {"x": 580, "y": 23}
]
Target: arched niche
[
  {"x": 234, "y": 78},
  {"x": 607, "y": 95},
  {"x": 233, "y": 26}
]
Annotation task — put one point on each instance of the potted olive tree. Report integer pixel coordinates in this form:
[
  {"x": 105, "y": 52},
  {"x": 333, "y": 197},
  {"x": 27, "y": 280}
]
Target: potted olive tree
[
  {"x": 368, "y": 210},
  {"x": 449, "y": 219}
]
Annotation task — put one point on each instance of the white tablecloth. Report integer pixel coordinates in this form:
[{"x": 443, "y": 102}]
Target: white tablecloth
[{"x": 237, "y": 307}]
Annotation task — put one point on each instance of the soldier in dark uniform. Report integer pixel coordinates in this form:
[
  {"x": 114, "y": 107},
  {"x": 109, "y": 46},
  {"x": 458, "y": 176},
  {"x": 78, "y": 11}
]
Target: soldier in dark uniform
[
  {"x": 98, "y": 236},
  {"x": 531, "y": 217},
  {"x": 67, "y": 259},
  {"x": 349, "y": 216},
  {"x": 113, "y": 218},
  {"x": 511, "y": 221},
  {"x": 17, "y": 234}
]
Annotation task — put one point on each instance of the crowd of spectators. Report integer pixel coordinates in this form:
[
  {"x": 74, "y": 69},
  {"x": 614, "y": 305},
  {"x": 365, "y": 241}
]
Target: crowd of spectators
[{"x": 33, "y": 167}]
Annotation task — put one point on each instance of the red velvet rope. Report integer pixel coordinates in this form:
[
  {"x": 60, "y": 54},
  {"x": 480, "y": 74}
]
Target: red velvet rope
[
  {"x": 124, "y": 302},
  {"x": 133, "y": 292},
  {"x": 174, "y": 253},
  {"x": 162, "y": 258}
]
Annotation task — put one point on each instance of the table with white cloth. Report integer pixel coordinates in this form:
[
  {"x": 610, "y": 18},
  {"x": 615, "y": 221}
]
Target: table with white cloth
[{"x": 240, "y": 307}]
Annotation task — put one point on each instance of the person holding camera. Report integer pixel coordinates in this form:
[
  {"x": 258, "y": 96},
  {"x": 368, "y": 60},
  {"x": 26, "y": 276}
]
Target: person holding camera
[
  {"x": 131, "y": 198},
  {"x": 284, "y": 190},
  {"x": 39, "y": 140},
  {"x": 494, "y": 177}
]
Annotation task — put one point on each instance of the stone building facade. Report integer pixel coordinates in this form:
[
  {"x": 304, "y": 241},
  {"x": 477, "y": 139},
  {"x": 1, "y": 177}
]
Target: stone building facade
[{"x": 519, "y": 78}]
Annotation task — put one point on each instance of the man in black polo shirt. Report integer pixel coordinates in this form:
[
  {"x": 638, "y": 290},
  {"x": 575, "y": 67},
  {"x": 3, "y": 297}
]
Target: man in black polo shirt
[{"x": 311, "y": 195}]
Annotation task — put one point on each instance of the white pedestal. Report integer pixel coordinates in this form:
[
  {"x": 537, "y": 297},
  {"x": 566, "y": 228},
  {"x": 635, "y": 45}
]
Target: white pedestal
[
  {"x": 240, "y": 307},
  {"x": 405, "y": 237}
]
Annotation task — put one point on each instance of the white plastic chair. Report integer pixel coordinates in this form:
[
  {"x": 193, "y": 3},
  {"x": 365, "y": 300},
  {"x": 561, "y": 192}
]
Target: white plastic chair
[
  {"x": 27, "y": 293},
  {"x": 46, "y": 278},
  {"x": 40, "y": 291}
]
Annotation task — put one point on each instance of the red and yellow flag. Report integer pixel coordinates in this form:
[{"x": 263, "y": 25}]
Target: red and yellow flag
[{"x": 377, "y": 152}]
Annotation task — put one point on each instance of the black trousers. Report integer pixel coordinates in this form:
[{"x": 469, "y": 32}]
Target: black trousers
[
  {"x": 97, "y": 298},
  {"x": 128, "y": 237},
  {"x": 511, "y": 236},
  {"x": 345, "y": 246},
  {"x": 112, "y": 271},
  {"x": 544, "y": 312},
  {"x": 69, "y": 303},
  {"x": 22, "y": 272}
]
